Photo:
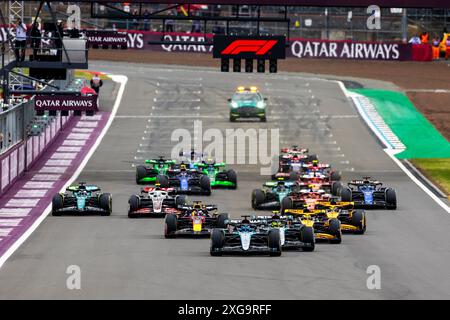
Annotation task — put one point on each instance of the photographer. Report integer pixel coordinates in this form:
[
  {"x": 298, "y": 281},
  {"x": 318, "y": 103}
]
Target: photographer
[{"x": 21, "y": 40}]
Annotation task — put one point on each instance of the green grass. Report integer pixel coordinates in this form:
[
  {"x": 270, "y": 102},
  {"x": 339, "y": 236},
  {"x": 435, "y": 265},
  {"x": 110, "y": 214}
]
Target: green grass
[{"x": 437, "y": 170}]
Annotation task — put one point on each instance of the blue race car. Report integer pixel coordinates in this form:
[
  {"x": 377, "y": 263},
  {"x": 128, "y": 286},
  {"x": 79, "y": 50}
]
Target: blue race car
[
  {"x": 185, "y": 181},
  {"x": 246, "y": 237},
  {"x": 368, "y": 193},
  {"x": 82, "y": 198}
]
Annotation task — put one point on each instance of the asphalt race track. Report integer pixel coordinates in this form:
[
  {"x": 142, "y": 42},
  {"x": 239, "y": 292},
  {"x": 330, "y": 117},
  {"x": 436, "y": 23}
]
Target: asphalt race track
[{"x": 122, "y": 258}]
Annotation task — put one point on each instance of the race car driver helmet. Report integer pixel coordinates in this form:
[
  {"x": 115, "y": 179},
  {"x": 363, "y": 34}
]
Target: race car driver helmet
[
  {"x": 315, "y": 163},
  {"x": 281, "y": 186}
]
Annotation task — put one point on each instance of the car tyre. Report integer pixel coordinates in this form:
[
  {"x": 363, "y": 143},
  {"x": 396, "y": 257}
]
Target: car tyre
[
  {"x": 307, "y": 237},
  {"x": 141, "y": 172},
  {"x": 170, "y": 225},
  {"x": 258, "y": 197},
  {"x": 274, "y": 243},
  {"x": 217, "y": 241},
  {"x": 57, "y": 204},
  {"x": 105, "y": 203}
]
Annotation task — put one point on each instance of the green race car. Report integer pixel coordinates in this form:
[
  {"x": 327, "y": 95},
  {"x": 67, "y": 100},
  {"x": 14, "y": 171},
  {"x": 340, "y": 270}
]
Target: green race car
[
  {"x": 248, "y": 103},
  {"x": 218, "y": 176},
  {"x": 146, "y": 174}
]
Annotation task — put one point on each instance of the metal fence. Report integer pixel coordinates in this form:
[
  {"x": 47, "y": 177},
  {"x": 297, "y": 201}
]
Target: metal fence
[
  {"x": 15, "y": 120},
  {"x": 332, "y": 23}
]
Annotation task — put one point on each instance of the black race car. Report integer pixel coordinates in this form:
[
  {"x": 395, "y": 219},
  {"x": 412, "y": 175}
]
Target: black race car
[
  {"x": 246, "y": 237},
  {"x": 194, "y": 220},
  {"x": 368, "y": 193},
  {"x": 82, "y": 199}
]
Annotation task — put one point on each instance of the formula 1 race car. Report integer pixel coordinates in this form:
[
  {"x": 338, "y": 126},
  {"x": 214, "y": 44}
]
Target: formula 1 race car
[
  {"x": 154, "y": 202},
  {"x": 368, "y": 193},
  {"x": 194, "y": 220},
  {"x": 317, "y": 167},
  {"x": 146, "y": 174},
  {"x": 327, "y": 226},
  {"x": 299, "y": 198},
  {"x": 247, "y": 102},
  {"x": 316, "y": 180},
  {"x": 272, "y": 195},
  {"x": 217, "y": 177},
  {"x": 82, "y": 199},
  {"x": 246, "y": 237},
  {"x": 291, "y": 161},
  {"x": 185, "y": 181},
  {"x": 294, "y": 235},
  {"x": 352, "y": 220}
]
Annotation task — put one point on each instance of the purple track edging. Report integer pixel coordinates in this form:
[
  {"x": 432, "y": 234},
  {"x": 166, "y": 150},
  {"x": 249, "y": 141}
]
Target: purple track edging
[{"x": 43, "y": 202}]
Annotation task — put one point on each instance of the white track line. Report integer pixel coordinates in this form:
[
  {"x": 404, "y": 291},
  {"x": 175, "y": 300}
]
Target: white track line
[{"x": 120, "y": 79}]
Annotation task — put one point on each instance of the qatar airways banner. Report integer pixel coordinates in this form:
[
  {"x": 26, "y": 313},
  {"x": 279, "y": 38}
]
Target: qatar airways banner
[
  {"x": 350, "y": 50},
  {"x": 61, "y": 102},
  {"x": 300, "y": 48},
  {"x": 103, "y": 38}
]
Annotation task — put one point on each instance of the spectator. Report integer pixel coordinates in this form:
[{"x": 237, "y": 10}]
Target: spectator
[
  {"x": 415, "y": 40},
  {"x": 436, "y": 50},
  {"x": 146, "y": 20},
  {"x": 59, "y": 34},
  {"x": 447, "y": 47},
  {"x": 169, "y": 23},
  {"x": 21, "y": 40},
  {"x": 96, "y": 83},
  {"x": 35, "y": 34},
  {"x": 424, "y": 37},
  {"x": 135, "y": 21},
  {"x": 1, "y": 141},
  {"x": 196, "y": 26}
]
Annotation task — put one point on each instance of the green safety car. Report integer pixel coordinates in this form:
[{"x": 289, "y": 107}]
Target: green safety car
[{"x": 247, "y": 102}]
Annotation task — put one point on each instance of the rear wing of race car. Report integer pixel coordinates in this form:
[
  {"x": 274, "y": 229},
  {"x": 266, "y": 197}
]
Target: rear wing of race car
[
  {"x": 208, "y": 207},
  {"x": 335, "y": 204},
  {"x": 371, "y": 182},
  {"x": 82, "y": 186},
  {"x": 271, "y": 184},
  {"x": 150, "y": 189},
  {"x": 294, "y": 149},
  {"x": 155, "y": 161}
]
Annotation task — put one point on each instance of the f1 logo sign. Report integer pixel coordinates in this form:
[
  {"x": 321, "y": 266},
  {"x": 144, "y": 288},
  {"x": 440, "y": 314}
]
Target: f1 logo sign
[
  {"x": 258, "y": 47},
  {"x": 249, "y": 47}
]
